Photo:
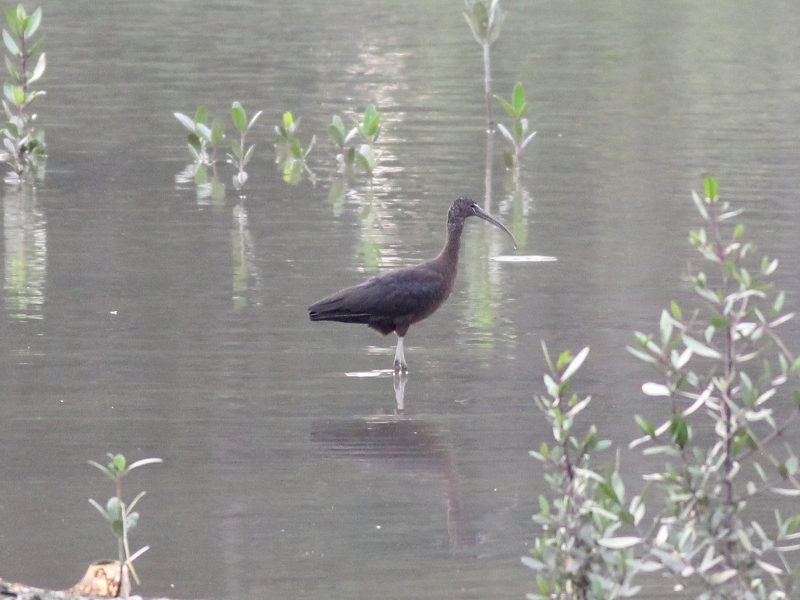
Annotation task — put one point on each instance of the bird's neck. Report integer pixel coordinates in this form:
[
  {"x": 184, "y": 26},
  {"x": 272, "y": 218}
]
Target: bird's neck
[{"x": 448, "y": 257}]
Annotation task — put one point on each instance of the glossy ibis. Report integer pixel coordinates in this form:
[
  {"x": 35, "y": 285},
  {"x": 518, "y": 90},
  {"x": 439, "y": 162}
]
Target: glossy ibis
[{"x": 396, "y": 299}]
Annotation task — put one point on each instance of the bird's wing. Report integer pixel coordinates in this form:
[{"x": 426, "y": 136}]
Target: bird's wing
[{"x": 397, "y": 293}]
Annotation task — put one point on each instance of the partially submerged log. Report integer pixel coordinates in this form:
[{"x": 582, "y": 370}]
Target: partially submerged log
[{"x": 102, "y": 580}]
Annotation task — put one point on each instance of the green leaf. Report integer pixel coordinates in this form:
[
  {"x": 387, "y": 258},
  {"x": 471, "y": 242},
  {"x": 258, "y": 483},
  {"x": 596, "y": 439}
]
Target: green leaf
[
  {"x": 700, "y": 348},
  {"x": 201, "y": 116},
  {"x": 13, "y": 71},
  {"x": 103, "y": 468},
  {"x": 608, "y": 491},
  {"x": 665, "y": 326},
  {"x": 35, "y": 48},
  {"x": 117, "y": 528},
  {"x": 288, "y": 120},
  {"x": 710, "y": 188},
  {"x": 32, "y": 96},
  {"x": 217, "y": 132},
  {"x": 641, "y": 355},
  {"x": 655, "y": 389},
  {"x": 563, "y": 359},
  {"x": 296, "y": 148},
  {"x": 679, "y": 430},
  {"x": 132, "y": 520},
  {"x": 507, "y": 106},
  {"x": 336, "y": 134},
  {"x": 496, "y": 22},
  {"x": 520, "y": 106},
  {"x": 372, "y": 120},
  {"x": 11, "y": 45},
  {"x": 195, "y": 143},
  {"x": 506, "y": 133},
  {"x": 186, "y": 121},
  {"x": 143, "y": 462},
  {"x": 552, "y": 387},
  {"x": 236, "y": 147},
  {"x": 100, "y": 509},
  {"x": 575, "y": 364},
  {"x": 254, "y": 119},
  {"x": 239, "y": 117},
  {"x": 527, "y": 140},
  {"x": 776, "y": 308},
  {"x": 533, "y": 563},
  {"x": 113, "y": 508},
  {"x": 646, "y": 425},
  {"x": 33, "y": 22},
  {"x": 8, "y": 92},
  {"x": 698, "y": 202},
  {"x": 618, "y": 543},
  {"x": 203, "y": 132},
  {"x": 19, "y": 95},
  {"x": 14, "y": 21},
  {"x": 248, "y": 154},
  {"x": 117, "y": 463},
  {"x": 38, "y": 71}
]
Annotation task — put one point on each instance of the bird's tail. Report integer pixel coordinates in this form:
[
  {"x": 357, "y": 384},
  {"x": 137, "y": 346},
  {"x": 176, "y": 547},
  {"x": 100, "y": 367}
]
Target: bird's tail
[{"x": 333, "y": 311}]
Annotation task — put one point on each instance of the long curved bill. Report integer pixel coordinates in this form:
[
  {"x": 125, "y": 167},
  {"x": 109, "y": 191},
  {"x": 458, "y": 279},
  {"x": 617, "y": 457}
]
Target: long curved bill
[{"x": 479, "y": 212}]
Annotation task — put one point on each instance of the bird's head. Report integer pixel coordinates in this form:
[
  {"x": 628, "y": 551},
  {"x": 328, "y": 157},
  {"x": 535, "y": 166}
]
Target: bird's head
[{"x": 465, "y": 207}]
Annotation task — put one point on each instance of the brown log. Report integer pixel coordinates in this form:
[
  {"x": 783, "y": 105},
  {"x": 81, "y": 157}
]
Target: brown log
[{"x": 102, "y": 580}]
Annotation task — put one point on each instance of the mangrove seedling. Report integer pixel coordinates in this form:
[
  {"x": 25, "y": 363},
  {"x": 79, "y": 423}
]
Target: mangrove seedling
[
  {"x": 241, "y": 153},
  {"x": 346, "y": 154},
  {"x": 203, "y": 140},
  {"x": 485, "y": 19},
  {"x": 23, "y": 144},
  {"x": 518, "y": 136},
  {"x": 365, "y": 154},
  {"x": 290, "y": 156},
  {"x": 120, "y": 515}
]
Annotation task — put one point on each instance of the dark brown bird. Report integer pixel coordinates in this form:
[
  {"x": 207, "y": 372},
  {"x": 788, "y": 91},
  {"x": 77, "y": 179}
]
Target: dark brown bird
[{"x": 396, "y": 299}]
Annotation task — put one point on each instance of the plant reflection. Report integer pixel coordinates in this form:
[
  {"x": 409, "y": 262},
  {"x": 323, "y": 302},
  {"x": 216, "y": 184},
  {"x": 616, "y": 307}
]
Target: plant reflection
[
  {"x": 195, "y": 175},
  {"x": 25, "y": 253},
  {"x": 404, "y": 446},
  {"x": 247, "y": 282},
  {"x": 518, "y": 203}
]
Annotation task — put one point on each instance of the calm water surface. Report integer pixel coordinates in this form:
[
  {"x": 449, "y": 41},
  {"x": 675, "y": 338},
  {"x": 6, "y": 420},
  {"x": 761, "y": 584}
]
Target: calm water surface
[{"x": 141, "y": 318}]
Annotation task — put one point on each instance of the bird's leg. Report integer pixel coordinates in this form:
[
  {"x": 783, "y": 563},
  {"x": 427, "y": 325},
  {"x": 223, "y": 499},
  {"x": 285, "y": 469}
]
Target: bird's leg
[
  {"x": 400, "y": 380},
  {"x": 400, "y": 365}
]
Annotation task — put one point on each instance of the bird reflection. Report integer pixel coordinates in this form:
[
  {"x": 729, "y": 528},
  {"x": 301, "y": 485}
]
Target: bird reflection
[{"x": 404, "y": 446}]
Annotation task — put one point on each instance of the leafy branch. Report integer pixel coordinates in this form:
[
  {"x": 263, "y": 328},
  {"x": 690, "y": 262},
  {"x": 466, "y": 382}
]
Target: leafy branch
[
  {"x": 120, "y": 515},
  {"x": 23, "y": 144}
]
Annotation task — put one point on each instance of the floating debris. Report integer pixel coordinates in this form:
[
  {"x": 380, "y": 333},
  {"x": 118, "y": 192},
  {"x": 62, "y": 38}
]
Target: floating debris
[{"x": 529, "y": 258}]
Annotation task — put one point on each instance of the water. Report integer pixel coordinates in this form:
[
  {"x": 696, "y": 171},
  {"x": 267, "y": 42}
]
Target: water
[{"x": 142, "y": 319}]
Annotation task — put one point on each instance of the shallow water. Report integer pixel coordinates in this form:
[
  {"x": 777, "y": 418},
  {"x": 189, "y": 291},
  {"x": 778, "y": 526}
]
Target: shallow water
[{"x": 142, "y": 319}]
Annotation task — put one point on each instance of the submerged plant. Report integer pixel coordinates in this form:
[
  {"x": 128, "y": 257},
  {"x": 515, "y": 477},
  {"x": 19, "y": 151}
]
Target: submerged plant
[
  {"x": 120, "y": 515},
  {"x": 290, "y": 155},
  {"x": 23, "y": 143}
]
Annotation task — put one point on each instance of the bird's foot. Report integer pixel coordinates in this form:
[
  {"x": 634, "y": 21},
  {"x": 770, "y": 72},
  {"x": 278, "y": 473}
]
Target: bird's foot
[{"x": 400, "y": 367}]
